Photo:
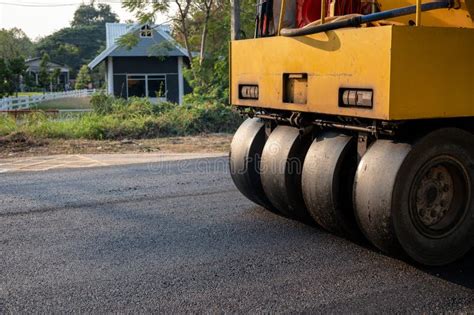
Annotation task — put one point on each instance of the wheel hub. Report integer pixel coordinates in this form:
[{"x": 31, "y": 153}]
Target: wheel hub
[{"x": 434, "y": 195}]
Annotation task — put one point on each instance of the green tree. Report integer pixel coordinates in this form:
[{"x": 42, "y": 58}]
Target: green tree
[
  {"x": 29, "y": 80},
  {"x": 80, "y": 43},
  {"x": 93, "y": 15},
  {"x": 14, "y": 43},
  {"x": 17, "y": 69},
  {"x": 54, "y": 78},
  {"x": 43, "y": 75},
  {"x": 212, "y": 79},
  {"x": 73, "y": 46},
  {"x": 5, "y": 78},
  {"x": 83, "y": 78}
]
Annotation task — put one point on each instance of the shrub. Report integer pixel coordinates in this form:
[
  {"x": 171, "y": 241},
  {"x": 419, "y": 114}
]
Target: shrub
[
  {"x": 7, "y": 125},
  {"x": 102, "y": 103},
  {"x": 139, "y": 106},
  {"x": 136, "y": 118},
  {"x": 83, "y": 78}
]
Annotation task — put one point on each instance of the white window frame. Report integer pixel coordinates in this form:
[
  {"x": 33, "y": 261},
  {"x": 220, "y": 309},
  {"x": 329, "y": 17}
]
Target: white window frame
[
  {"x": 165, "y": 87},
  {"x": 146, "y": 31}
]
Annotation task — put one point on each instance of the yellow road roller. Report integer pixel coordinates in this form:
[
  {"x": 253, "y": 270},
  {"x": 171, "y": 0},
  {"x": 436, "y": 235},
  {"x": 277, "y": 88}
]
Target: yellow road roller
[{"x": 361, "y": 120}]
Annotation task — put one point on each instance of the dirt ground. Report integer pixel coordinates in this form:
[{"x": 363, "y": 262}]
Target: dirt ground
[{"x": 20, "y": 146}]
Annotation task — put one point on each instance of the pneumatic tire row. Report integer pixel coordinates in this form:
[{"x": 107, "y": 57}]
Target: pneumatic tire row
[{"x": 414, "y": 198}]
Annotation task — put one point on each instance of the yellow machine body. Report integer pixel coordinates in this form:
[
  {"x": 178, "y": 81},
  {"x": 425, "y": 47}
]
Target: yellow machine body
[
  {"x": 367, "y": 131},
  {"x": 414, "y": 72}
]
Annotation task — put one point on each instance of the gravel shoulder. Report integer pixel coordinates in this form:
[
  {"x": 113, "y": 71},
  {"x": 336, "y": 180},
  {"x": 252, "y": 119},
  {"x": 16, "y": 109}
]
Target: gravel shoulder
[{"x": 20, "y": 146}]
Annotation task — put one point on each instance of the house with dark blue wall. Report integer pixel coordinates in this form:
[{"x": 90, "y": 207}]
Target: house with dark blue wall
[{"x": 152, "y": 68}]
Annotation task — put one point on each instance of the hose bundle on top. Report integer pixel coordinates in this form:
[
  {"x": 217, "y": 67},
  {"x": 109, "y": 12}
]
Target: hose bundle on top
[{"x": 357, "y": 19}]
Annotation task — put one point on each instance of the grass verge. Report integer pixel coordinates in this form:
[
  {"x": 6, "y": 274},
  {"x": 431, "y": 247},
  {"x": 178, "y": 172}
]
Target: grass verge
[
  {"x": 115, "y": 119},
  {"x": 65, "y": 103}
]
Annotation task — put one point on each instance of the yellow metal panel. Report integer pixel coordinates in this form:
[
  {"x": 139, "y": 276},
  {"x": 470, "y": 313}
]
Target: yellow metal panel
[
  {"x": 432, "y": 73},
  {"x": 344, "y": 58},
  {"x": 415, "y": 72}
]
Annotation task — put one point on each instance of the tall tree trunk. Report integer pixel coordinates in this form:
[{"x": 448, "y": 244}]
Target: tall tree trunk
[
  {"x": 203, "y": 43},
  {"x": 186, "y": 42},
  {"x": 202, "y": 53},
  {"x": 235, "y": 19},
  {"x": 183, "y": 15},
  {"x": 188, "y": 48}
]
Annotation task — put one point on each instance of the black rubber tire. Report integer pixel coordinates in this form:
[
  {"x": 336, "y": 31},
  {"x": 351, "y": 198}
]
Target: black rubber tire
[
  {"x": 373, "y": 189},
  {"x": 384, "y": 196},
  {"x": 244, "y": 161},
  {"x": 281, "y": 168},
  {"x": 328, "y": 177}
]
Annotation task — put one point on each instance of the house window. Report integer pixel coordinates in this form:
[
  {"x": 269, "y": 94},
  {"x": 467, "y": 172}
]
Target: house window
[
  {"x": 136, "y": 85},
  {"x": 148, "y": 85},
  {"x": 156, "y": 86},
  {"x": 145, "y": 31}
]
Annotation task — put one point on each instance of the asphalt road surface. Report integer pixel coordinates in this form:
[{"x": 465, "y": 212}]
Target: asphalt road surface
[{"x": 178, "y": 237}]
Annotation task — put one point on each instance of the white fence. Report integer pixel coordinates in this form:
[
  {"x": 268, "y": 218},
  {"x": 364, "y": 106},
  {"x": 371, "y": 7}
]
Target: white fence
[{"x": 25, "y": 102}]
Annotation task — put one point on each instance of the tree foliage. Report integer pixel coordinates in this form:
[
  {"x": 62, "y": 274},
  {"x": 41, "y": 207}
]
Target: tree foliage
[
  {"x": 145, "y": 11},
  {"x": 54, "y": 78},
  {"x": 43, "y": 75},
  {"x": 72, "y": 46},
  {"x": 80, "y": 43},
  {"x": 83, "y": 78},
  {"x": 5, "y": 82},
  {"x": 14, "y": 43},
  {"x": 87, "y": 15},
  {"x": 17, "y": 69},
  {"x": 11, "y": 72}
]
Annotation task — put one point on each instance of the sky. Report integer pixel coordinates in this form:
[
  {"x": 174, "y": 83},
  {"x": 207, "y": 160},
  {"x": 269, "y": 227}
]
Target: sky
[{"x": 38, "y": 18}]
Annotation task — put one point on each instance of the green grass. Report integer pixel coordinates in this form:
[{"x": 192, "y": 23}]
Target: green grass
[
  {"x": 29, "y": 93},
  {"x": 66, "y": 103},
  {"x": 21, "y": 94},
  {"x": 134, "y": 119}
]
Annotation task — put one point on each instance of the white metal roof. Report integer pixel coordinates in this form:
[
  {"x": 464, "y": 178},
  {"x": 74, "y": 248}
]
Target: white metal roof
[{"x": 115, "y": 30}]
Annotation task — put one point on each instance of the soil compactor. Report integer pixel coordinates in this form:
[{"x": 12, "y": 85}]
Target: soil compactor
[{"x": 361, "y": 119}]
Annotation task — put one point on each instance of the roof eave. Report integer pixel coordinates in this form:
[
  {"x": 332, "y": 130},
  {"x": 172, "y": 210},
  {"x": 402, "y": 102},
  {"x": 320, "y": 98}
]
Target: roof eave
[{"x": 97, "y": 60}]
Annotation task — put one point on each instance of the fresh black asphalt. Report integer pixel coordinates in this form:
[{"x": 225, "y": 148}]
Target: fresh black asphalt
[{"x": 177, "y": 237}]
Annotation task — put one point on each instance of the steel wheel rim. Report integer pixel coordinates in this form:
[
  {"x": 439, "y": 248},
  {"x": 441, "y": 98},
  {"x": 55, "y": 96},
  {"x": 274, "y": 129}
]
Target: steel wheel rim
[{"x": 439, "y": 197}]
